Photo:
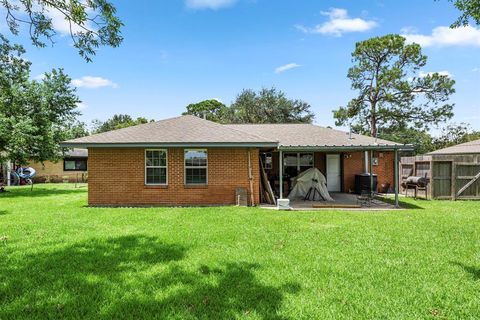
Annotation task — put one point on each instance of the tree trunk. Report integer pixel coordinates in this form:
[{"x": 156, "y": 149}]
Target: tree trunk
[{"x": 373, "y": 121}]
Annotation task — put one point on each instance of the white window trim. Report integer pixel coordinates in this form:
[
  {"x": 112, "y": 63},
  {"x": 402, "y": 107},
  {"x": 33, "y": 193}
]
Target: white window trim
[
  {"x": 165, "y": 166},
  {"x": 298, "y": 159},
  {"x": 185, "y": 167}
]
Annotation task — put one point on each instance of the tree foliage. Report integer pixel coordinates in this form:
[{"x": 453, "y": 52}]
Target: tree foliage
[
  {"x": 118, "y": 121},
  {"x": 212, "y": 109},
  {"x": 34, "y": 115},
  {"x": 455, "y": 133},
  {"x": 268, "y": 106},
  {"x": 391, "y": 94},
  {"x": 91, "y": 23},
  {"x": 421, "y": 140},
  {"x": 470, "y": 11}
]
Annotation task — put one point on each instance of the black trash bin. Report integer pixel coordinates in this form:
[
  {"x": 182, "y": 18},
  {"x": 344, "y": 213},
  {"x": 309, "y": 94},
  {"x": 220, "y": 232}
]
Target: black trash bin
[{"x": 362, "y": 183}]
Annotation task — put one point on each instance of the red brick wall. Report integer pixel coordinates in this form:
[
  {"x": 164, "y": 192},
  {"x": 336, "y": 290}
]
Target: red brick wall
[
  {"x": 117, "y": 177},
  {"x": 354, "y": 163}
]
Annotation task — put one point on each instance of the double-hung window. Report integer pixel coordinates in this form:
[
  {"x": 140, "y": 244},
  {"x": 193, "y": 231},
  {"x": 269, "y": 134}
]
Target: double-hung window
[
  {"x": 196, "y": 167},
  {"x": 156, "y": 167}
]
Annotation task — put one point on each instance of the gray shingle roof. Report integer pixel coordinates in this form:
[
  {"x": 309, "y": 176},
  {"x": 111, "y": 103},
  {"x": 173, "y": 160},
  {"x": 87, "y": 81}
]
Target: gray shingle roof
[
  {"x": 193, "y": 131},
  {"x": 180, "y": 130},
  {"x": 77, "y": 153},
  {"x": 463, "y": 148},
  {"x": 309, "y": 135}
]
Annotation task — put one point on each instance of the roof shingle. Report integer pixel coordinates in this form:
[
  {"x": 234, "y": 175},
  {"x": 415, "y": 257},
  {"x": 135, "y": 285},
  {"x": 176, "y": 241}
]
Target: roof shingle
[
  {"x": 463, "y": 148},
  {"x": 191, "y": 130},
  {"x": 309, "y": 135},
  {"x": 181, "y": 130}
]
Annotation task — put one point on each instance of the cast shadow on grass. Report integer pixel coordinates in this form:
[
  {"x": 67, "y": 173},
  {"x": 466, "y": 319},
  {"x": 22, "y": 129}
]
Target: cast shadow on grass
[
  {"x": 16, "y": 192},
  {"x": 404, "y": 204},
  {"x": 3, "y": 212},
  {"x": 132, "y": 276},
  {"x": 473, "y": 271}
]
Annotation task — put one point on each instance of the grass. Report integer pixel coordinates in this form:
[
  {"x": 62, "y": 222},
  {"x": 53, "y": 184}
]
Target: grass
[{"x": 62, "y": 259}]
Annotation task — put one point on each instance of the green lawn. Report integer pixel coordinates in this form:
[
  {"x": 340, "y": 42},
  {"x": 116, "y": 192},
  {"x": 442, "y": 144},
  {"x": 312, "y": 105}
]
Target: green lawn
[{"x": 61, "y": 259}]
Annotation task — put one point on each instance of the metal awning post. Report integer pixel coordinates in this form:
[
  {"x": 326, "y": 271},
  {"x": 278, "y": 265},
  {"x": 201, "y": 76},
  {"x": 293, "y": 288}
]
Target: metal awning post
[
  {"x": 371, "y": 172},
  {"x": 280, "y": 162},
  {"x": 396, "y": 179}
]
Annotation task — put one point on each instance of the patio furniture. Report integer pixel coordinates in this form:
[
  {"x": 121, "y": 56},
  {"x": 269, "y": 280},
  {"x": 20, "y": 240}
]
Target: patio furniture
[{"x": 365, "y": 198}]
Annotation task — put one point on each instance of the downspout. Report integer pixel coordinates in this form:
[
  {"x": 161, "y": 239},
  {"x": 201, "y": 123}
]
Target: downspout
[
  {"x": 250, "y": 178},
  {"x": 365, "y": 162}
]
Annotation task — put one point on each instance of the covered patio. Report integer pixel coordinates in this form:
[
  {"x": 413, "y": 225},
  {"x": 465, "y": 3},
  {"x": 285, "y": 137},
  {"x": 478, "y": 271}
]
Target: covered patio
[
  {"x": 339, "y": 177},
  {"x": 351, "y": 165},
  {"x": 341, "y": 201}
]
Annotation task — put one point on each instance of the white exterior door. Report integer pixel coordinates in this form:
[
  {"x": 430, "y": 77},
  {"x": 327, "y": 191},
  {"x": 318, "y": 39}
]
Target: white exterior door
[{"x": 333, "y": 173}]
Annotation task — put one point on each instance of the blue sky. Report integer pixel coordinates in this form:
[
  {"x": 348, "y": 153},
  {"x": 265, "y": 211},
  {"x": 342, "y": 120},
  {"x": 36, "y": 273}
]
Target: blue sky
[{"x": 177, "y": 52}]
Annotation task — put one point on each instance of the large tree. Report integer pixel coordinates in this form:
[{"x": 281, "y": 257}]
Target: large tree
[
  {"x": 391, "y": 91},
  {"x": 34, "y": 115},
  {"x": 268, "y": 106},
  {"x": 118, "y": 121},
  {"x": 212, "y": 109},
  {"x": 90, "y": 23},
  {"x": 470, "y": 11}
]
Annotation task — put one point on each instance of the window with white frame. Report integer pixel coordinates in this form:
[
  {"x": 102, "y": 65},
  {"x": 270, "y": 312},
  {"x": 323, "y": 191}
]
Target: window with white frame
[
  {"x": 196, "y": 166},
  {"x": 295, "y": 163},
  {"x": 156, "y": 167}
]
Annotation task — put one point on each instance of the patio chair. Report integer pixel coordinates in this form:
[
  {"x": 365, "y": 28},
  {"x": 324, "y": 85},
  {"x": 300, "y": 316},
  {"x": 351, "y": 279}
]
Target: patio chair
[{"x": 365, "y": 198}]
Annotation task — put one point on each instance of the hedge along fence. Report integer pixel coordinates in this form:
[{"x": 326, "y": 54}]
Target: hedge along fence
[{"x": 455, "y": 176}]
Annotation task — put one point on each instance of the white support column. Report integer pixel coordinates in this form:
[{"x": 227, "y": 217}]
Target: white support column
[
  {"x": 280, "y": 162},
  {"x": 396, "y": 179}
]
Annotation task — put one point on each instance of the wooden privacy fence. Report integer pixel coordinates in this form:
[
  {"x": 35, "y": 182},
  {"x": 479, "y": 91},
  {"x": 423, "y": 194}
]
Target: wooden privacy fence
[
  {"x": 451, "y": 177},
  {"x": 467, "y": 180}
]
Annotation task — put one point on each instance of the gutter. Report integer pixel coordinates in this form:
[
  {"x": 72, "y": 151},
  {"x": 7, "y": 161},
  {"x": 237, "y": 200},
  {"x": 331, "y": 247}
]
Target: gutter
[{"x": 402, "y": 147}]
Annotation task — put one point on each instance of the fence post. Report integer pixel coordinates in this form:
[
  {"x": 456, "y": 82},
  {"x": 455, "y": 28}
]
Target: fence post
[{"x": 454, "y": 181}]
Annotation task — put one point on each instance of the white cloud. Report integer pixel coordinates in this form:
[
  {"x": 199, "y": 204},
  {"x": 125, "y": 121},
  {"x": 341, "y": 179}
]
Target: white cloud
[
  {"x": 287, "y": 67},
  {"x": 339, "y": 23},
  {"x": 93, "y": 82},
  {"x": 476, "y": 70},
  {"x": 423, "y": 74},
  {"x": 81, "y": 106},
  {"x": 445, "y": 36},
  {"x": 209, "y": 4},
  {"x": 62, "y": 25}
]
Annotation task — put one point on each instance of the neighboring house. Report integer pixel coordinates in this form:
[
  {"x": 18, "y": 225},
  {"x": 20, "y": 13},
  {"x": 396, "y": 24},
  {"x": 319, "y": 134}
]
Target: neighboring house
[
  {"x": 191, "y": 161},
  {"x": 453, "y": 172},
  {"x": 72, "y": 167}
]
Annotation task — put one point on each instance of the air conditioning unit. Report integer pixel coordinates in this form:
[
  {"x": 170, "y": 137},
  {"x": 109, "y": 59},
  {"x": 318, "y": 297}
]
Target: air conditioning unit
[{"x": 283, "y": 204}]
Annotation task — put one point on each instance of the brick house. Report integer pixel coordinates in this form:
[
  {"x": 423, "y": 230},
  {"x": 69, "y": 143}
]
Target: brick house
[
  {"x": 190, "y": 161},
  {"x": 72, "y": 167}
]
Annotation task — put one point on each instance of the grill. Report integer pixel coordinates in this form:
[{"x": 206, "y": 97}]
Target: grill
[{"x": 412, "y": 181}]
